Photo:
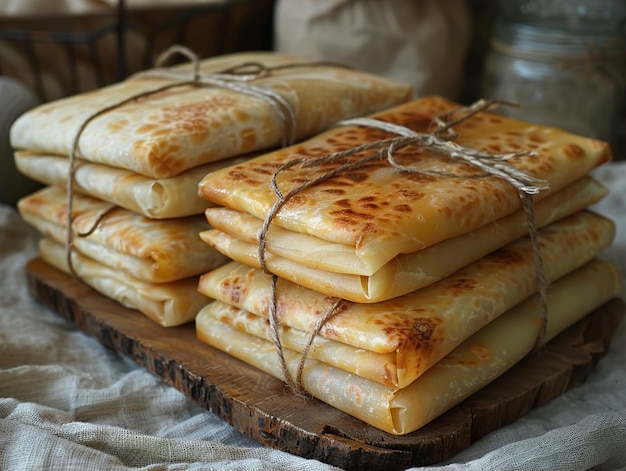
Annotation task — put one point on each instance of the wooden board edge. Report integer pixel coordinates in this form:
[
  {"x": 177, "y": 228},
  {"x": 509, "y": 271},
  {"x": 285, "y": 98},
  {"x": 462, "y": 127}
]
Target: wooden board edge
[{"x": 348, "y": 444}]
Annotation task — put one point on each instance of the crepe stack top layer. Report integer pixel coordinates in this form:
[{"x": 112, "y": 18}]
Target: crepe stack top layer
[
  {"x": 364, "y": 219},
  {"x": 164, "y": 134},
  {"x": 399, "y": 360},
  {"x": 149, "y": 155}
]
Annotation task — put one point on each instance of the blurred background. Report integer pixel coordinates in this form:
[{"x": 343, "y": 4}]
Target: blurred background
[{"x": 562, "y": 60}]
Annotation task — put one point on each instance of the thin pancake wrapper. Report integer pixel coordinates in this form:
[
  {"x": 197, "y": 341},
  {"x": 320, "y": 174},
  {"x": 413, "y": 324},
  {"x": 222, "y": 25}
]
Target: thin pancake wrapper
[
  {"x": 171, "y": 131},
  {"x": 330, "y": 267},
  {"x": 380, "y": 211},
  {"x": 167, "y": 304},
  {"x": 475, "y": 363},
  {"x": 403, "y": 337},
  {"x": 151, "y": 250},
  {"x": 157, "y": 198}
]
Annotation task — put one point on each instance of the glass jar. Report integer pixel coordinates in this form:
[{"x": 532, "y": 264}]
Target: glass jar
[
  {"x": 561, "y": 72},
  {"x": 571, "y": 15}
]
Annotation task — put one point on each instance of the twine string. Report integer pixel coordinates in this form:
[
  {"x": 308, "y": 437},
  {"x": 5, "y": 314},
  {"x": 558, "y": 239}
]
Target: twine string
[
  {"x": 446, "y": 121},
  {"x": 321, "y": 322},
  {"x": 295, "y": 384},
  {"x": 275, "y": 338},
  {"x": 440, "y": 141},
  {"x": 73, "y": 157},
  {"x": 533, "y": 234}
]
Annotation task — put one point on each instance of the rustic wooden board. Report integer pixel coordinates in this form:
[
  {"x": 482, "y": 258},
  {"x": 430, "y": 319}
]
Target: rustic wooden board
[{"x": 258, "y": 405}]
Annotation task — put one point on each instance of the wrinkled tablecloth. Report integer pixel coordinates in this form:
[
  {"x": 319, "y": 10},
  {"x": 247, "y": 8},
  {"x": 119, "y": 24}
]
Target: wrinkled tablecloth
[{"x": 68, "y": 403}]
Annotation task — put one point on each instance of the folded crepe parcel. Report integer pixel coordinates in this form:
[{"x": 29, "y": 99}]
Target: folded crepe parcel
[
  {"x": 168, "y": 304},
  {"x": 150, "y": 265},
  {"x": 476, "y": 362},
  {"x": 447, "y": 245},
  {"x": 156, "y": 198},
  {"x": 158, "y": 140},
  {"x": 321, "y": 266},
  {"x": 373, "y": 223},
  {"x": 151, "y": 250},
  {"x": 395, "y": 341}
]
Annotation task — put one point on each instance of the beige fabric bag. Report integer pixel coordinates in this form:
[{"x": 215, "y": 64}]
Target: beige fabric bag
[{"x": 422, "y": 42}]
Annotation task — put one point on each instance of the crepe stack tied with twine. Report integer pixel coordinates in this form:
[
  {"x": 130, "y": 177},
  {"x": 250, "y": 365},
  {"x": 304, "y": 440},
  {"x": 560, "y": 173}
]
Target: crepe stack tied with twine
[
  {"x": 147, "y": 155},
  {"x": 393, "y": 270},
  {"x": 122, "y": 164}
]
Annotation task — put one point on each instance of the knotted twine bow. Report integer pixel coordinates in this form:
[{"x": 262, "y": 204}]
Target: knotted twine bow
[
  {"x": 237, "y": 78},
  {"x": 440, "y": 142}
]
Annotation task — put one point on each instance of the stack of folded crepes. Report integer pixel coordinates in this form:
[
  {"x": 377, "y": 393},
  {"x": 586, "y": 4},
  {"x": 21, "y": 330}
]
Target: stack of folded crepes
[
  {"x": 135, "y": 152},
  {"x": 407, "y": 290}
]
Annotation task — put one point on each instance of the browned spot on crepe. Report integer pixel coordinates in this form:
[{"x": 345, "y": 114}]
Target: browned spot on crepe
[
  {"x": 234, "y": 288},
  {"x": 481, "y": 352},
  {"x": 573, "y": 151},
  {"x": 248, "y": 137},
  {"x": 421, "y": 334},
  {"x": 117, "y": 126}
]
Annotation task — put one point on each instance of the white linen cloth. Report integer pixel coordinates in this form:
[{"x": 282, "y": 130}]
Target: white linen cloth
[{"x": 68, "y": 403}]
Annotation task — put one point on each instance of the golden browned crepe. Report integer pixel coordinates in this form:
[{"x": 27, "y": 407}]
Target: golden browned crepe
[
  {"x": 151, "y": 250},
  {"x": 335, "y": 270},
  {"x": 174, "y": 130},
  {"x": 474, "y": 363},
  {"x": 379, "y": 212},
  {"x": 157, "y": 198},
  {"x": 167, "y": 304},
  {"x": 403, "y": 337}
]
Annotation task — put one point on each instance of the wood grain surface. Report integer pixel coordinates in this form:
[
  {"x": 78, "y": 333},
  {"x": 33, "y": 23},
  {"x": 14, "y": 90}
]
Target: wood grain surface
[{"x": 259, "y": 405}]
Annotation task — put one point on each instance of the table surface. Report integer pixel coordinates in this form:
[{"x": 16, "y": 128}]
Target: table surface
[{"x": 67, "y": 402}]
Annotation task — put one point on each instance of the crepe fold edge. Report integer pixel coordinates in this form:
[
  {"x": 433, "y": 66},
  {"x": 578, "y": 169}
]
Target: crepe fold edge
[
  {"x": 337, "y": 258},
  {"x": 167, "y": 304},
  {"x": 156, "y": 198}
]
